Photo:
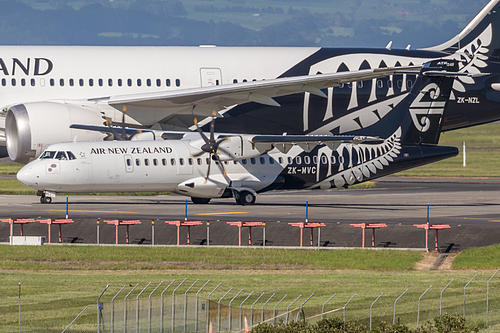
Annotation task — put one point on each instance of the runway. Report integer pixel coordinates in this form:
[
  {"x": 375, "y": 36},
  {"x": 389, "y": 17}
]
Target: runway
[{"x": 470, "y": 206}]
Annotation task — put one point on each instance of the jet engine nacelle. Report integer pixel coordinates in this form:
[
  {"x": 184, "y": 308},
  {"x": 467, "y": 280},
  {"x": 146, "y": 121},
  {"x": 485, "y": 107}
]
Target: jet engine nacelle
[
  {"x": 198, "y": 187},
  {"x": 31, "y": 127}
]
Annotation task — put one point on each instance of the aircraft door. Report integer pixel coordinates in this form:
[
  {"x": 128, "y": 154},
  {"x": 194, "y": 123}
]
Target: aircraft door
[
  {"x": 210, "y": 76},
  {"x": 129, "y": 163}
]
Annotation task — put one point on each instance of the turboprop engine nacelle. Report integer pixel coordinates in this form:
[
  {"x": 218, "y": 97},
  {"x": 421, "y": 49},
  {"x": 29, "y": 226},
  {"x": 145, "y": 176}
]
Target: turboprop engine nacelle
[
  {"x": 201, "y": 188},
  {"x": 239, "y": 147},
  {"x": 31, "y": 127}
]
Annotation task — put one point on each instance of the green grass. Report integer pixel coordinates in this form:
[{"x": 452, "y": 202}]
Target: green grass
[
  {"x": 10, "y": 168},
  {"x": 13, "y": 186},
  {"x": 479, "y": 258}
]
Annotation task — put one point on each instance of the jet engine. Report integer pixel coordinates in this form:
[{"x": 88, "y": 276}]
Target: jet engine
[{"x": 31, "y": 127}]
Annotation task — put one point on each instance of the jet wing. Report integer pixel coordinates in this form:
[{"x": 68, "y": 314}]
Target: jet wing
[
  {"x": 203, "y": 100},
  {"x": 307, "y": 142}
]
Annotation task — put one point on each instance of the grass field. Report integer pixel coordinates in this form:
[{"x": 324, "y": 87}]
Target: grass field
[{"x": 58, "y": 281}]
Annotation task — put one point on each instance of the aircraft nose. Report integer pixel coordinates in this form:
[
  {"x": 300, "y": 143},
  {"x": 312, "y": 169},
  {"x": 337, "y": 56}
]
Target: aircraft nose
[{"x": 27, "y": 176}]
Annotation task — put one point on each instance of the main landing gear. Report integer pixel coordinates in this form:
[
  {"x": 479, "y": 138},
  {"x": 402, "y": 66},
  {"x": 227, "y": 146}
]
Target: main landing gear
[
  {"x": 244, "y": 198},
  {"x": 46, "y": 196},
  {"x": 200, "y": 201}
]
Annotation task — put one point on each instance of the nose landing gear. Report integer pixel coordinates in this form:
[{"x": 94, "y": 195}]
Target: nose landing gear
[{"x": 46, "y": 196}]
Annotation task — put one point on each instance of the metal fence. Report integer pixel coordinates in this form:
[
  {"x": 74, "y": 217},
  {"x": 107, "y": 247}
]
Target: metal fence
[{"x": 182, "y": 306}]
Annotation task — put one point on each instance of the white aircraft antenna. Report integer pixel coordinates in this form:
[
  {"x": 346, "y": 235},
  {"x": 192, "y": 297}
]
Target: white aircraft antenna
[
  {"x": 408, "y": 47},
  {"x": 389, "y": 45}
]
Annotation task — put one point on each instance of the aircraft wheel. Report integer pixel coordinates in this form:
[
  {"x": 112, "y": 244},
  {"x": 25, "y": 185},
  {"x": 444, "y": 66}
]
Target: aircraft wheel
[
  {"x": 45, "y": 199},
  {"x": 246, "y": 198},
  {"x": 200, "y": 201}
]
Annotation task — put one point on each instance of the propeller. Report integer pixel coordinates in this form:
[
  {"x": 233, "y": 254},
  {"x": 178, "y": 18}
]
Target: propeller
[{"x": 211, "y": 146}]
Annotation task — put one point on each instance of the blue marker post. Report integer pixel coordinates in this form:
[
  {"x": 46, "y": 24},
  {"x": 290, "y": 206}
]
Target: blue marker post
[
  {"x": 427, "y": 213},
  {"x": 186, "y": 211},
  {"x": 66, "y": 207},
  {"x": 307, "y": 210}
]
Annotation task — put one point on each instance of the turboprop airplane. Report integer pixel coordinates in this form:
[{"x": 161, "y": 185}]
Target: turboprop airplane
[
  {"x": 45, "y": 89},
  {"x": 251, "y": 164}
]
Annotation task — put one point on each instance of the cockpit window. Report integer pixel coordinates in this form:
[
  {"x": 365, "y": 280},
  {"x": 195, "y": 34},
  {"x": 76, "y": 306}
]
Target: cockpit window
[
  {"x": 71, "y": 156},
  {"x": 48, "y": 155},
  {"x": 61, "y": 156}
]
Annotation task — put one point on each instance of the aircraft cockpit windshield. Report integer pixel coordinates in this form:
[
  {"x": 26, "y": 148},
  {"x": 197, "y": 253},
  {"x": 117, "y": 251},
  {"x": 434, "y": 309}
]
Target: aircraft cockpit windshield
[{"x": 59, "y": 155}]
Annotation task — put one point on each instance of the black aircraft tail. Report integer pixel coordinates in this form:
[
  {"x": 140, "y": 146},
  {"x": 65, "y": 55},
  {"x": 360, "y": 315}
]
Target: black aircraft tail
[
  {"x": 419, "y": 115},
  {"x": 482, "y": 35}
]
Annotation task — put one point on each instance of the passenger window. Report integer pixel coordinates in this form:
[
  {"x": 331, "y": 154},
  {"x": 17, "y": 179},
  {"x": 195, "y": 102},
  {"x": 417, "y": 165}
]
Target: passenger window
[
  {"x": 289, "y": 160},
  {"x": 235, "y": 81},
  {"x": 271, "y": 160},
  {"x": 324, "y": 159},
  {"x": 146, "y": 162},
  {"x": 164, "y": 161},
  {"x": 13, "y": 82},
  {"x": 380, "y": 84},
  {"x": 262, "y": 160},
  {"x": 100, "y": 82},
  {"x": 48, "y": 155},
  {"x": 61, "y": 82},
  {"x": 4, "y": 82},
  {"x": 307, "y": 160},
  {"x": 71, "y": 82},
  {"x": 199, "y": 161},
  {"x": 120, "y": 83},
  {"x": 129, "y": 82},
  {"x": 252, "y": 160},
  {"x": 315, "y": 159},
  {"x": 190, "y": 161},
  {"x": 139, "y": 82},
  {"x": 244, "y": 161},
  {"x": 110, "y": 82},
  {"x": 399, "y": 83},
  {"x": 91, "y": 82},
  {"x": 389, "y": 83},
  {"x": 409, "y": 83},
  {"x": 137, "y": 162},
  {"x": 155, "y": 162},
  {"x": 360, "y": 84},
  {"x": 148, "y": 82},
  {"x": 158, "y": 82},
  {"x": 172, "y": 161},
  {"x": 341, "y": 85},
  {"x": 81, "y": 82},
  {"x": 245, "y": 80},
  {"x": 23, "y": 82},
  {"x": 32, "y": 82},
  {"x": 71, "y": 156},
  {"x": 129, "y": 162},
  {"x": 51, "y": 82},
  {"x": 177, "y": 82},
  {"x": 298, "y": 160},
  {"x": 61, "y": 156},
  {"x": 181, "y": 161},
  {"x": 168, "y": 82},
  {"x": 280, "y": 160},
  {"x": 333, "y": 159},
  {"x": 226, "y": 162}
]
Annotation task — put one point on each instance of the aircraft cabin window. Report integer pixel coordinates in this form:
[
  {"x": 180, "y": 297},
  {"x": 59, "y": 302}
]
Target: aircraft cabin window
[
  {"x": 280, "y": 160},
  {"x": 61, "y": 156},
  {"x": 23, "y": 82},
  {"x": 110, "y": 82},
  {"x": 164, "y": 161},
  {"x": 190, "y": 161},
  {"x": 199, "y": 161},
  {"x": 47, "y": 155},
  {"x": 245, "y": 80},
  {"x": 61, "y": 82},
  {"x": 91, "y": 82},
  {"x": 168, "y": 82},
  {"x": 4, "y": 82},
  {"x": 80, "y": 82},
  {"x": 129, "y": 82},
  {"x": 181, "y": 161},
  {"x": 100, "y": 82},
  {"x": 380, "y": 84},
  {"x": 399, "y": 83},
  {"x": 341, "y": 85},
  {"x": 244, "y": 161},
  {"x": 158, "y": 82},
  {"x": 129, "y": 162},
  {"x": 139, "y": 82},
  {"x": 120, "y": 82},
  {"x": 71, "y": 82},
  {"x": 360, "y": 84},
  {"x": 172, "y": 161},
  {"x": 409, "y": 84},
  {"x": 146, "y": 162},
  {"x": 349, "y": 85},
  {"x": 217, "y": 82},
  {"x": 333, "y": 159},
  {"x": 148, "y": 82},
  {"x": 341, "y": 159},
  {"x": 177, "y": 82},
  {"x": 13, "y": 82},
  {"x": 289, "y": 160},
  {"x": 155, "y": 162},
  {"x": 252, "y": 160},
  {"x": 315, "y": 159},
  {"x": 235, "y": 162},
  {"x": 307, "y": 159},
  {"x": 298, "y": 160},
  {"x": 137, "y": 162},
  {"x": 324, "y": 160},
  {"x": 389, "y": 83},
  {"x": 262, "y": 160},
  {"x": 271, "y": 160},
  {"x": 226, "y": 162},
  {"x": 235, "y": 81},
  {"x": 71, "y": 156},
  {"x": 51, "y": 82}
]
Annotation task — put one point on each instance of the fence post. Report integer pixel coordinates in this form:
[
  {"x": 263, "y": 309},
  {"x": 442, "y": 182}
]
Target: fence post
[
  {"x": 286, "y": 320},
  {"x": 208, "y": 305},
  {"x": 98, "y": 219},
  {"x": 208, "y": 233},
  {"x": 441, "y": 296},
  {"x": 173, "y": 303},
  {"x": 218, "y": 309},
  {"x": 113, "y": 308},
  {"x": 251, "y": 310},
  {"x": 487, "y": 294},
  {"x": 99, "y": 308},
  {"x": 264, "y": 235},
  {"x": 19, "y": 300},
  {"x": 418, "y": 310},
  {"x": 301, "y": 305},
  {"x": 349, "y": 301},
  {"x": 125, "y": 309},
  {"x": 397, "y": 299},
  {"x": 196, "y": 307},
  {"x": 185, "y": 302},
  {"x": 149, "y": 307},
  {"x": 323, "y": 307},
  {"x": 232, "y": 299},
  {"x": 274, "y": 309},
  {"x": 371, "y": 310},
  {"x": 137, "y": 308},
  {"x": 242, "y": 305},
  {"x": 262, "y": 314},
  {"x": 153, "y": 232},
  {"x": 465, "y": 288},
  {"x": 161, "y": 305}
]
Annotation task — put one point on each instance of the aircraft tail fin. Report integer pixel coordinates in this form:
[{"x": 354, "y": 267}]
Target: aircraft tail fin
[{"x": 481, "y": 35}]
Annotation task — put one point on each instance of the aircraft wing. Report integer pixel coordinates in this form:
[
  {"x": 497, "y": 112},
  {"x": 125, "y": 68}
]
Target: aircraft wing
[{"x": 203, "y": 100}]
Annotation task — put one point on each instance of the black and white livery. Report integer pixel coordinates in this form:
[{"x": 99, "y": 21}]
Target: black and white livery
[{"x": 223, "y": 165}]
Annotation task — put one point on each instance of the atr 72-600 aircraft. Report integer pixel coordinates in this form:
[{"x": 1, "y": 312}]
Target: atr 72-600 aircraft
[
  {"x": 44, "y": 90},
  {"x": 249, "y": 164}
]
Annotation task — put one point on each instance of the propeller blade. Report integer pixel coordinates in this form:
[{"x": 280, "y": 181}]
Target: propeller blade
[
  {"x": 212, "y": 127},
  {"x": 209, "y": 165},
  {"x": 124, "y": 133},
  {"x": 221, "y": 165},
  {"x": 198, "y": 154},
  {"x": 204, "y": 137}
]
